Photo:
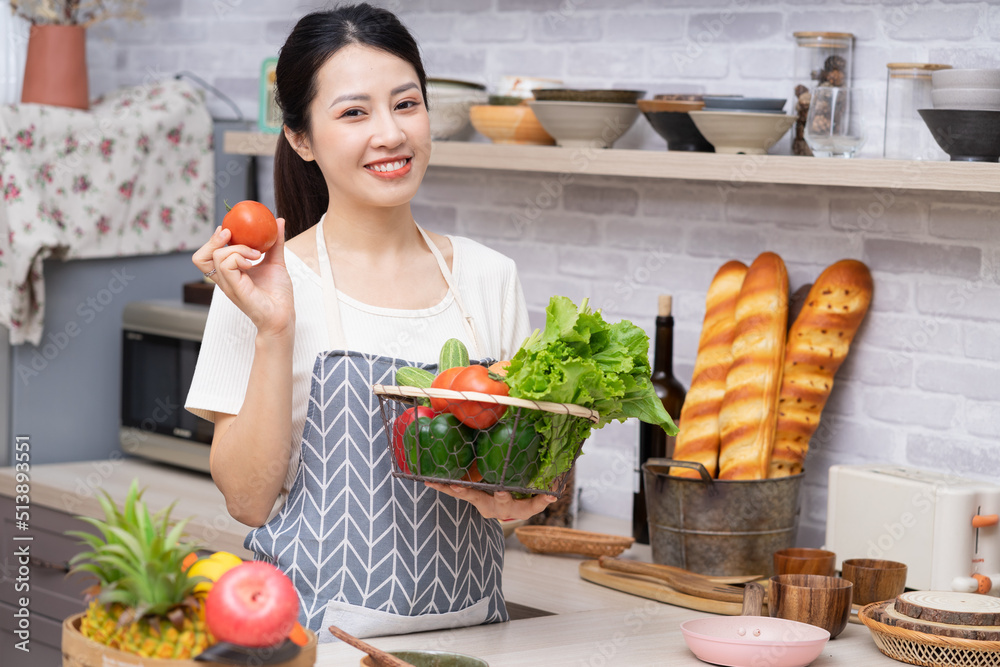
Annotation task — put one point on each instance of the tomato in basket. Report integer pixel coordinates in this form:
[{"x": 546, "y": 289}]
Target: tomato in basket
[
  {"x": 477, "y": 414},
  {"x": 399, "y": 427}
]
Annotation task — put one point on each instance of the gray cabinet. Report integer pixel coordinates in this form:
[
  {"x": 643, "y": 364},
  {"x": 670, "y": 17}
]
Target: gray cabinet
[{"x": 43, "y": 579}]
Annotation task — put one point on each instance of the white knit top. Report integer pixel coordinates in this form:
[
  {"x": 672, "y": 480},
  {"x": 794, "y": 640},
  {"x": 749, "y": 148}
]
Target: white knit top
[{"x": 489, "y": 288}]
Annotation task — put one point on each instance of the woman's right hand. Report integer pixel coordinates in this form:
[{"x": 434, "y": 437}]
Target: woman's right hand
[{"x": 263, "y": 291}]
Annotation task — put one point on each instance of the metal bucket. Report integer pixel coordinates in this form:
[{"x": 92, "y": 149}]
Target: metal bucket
[{"x": 719, "y": 527}]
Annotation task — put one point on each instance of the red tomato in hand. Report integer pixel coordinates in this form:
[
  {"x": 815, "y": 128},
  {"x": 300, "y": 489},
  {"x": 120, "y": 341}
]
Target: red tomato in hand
[
  {"x": 251, "y": 224},
  {"x": 443, "y": 381},
  {"x": 399, "y": 427},
  {"x": 475, "y": 414}
]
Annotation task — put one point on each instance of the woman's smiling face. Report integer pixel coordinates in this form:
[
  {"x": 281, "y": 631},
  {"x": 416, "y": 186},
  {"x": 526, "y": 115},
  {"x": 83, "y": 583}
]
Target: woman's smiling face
[{"x": 369, "y": 131}]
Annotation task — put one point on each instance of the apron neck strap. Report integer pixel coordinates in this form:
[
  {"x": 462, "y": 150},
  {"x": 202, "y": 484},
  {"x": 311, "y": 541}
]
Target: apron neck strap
[{"x": 331, "y": 304}]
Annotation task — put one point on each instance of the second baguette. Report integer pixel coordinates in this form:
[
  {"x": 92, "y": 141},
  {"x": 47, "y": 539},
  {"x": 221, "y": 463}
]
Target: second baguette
[{"x": 749, "y": 409}]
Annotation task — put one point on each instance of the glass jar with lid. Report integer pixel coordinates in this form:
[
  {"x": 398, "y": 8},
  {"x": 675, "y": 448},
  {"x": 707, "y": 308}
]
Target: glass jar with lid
[
  {"x": 908, "y": 88},
  {"x": 821, "y": 59}
]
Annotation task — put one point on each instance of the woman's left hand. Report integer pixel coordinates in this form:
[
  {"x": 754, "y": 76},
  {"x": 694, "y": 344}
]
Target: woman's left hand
[{"x": 500, "y": 505}]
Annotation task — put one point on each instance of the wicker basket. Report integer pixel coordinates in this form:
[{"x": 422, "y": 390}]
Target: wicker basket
[
  {"x": 394, "y": 400},
  {"x": 554, "y": 540},
  {"x": 921, "y": 648},
  {"x": 80, "y": 651}
]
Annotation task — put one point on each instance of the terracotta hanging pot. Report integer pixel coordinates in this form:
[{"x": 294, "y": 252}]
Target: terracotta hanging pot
[{"x": 55, "y": 71}]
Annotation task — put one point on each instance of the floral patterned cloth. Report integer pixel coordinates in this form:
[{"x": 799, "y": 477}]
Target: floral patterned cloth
[{"x": 131, "y": 176}]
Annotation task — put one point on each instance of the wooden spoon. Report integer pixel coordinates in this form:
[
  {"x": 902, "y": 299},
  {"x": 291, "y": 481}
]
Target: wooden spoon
[{"x": 378, "y": 655}]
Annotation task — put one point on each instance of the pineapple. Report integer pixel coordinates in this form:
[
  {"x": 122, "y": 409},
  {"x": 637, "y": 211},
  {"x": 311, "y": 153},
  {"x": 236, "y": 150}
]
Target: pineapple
[{"x": 143, "y": 602}]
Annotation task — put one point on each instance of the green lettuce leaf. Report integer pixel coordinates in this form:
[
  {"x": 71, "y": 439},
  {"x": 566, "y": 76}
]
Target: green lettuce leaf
[{"x": 580, "y": 358}]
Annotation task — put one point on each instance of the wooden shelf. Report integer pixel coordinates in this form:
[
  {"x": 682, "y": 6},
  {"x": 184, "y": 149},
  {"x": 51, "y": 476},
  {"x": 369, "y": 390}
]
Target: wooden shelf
[{"x": 734, "y": 169}]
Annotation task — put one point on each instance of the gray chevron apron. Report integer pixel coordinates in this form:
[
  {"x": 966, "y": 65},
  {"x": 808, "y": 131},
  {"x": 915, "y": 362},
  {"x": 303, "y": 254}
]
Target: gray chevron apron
[{"x": 370, "y": 553}]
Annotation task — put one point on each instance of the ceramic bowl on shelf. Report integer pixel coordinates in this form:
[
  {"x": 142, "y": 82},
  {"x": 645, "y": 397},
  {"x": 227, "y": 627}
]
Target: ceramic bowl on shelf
[
  {"x": 608, "y": 96},
  {"x": 966, "y": 135},
  {"x": 747, "y": 133},
  {"x": 966, "y": 98},
  {"x": 753, "y": 104},
  {"x": 679, "y": 131},
  {"x": 448, "y": 103},
  {"x": 585, "y": 124},
  {"x": 506, "y": 124},
  {"x": 965, "y": 78}
]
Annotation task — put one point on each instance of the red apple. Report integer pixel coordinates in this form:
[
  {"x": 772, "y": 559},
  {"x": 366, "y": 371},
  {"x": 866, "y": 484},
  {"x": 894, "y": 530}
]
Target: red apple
[{"x": 253, "y": 604}]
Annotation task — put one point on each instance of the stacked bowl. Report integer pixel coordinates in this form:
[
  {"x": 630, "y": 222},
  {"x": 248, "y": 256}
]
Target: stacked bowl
[
  {"x": 448, "y": 104},
  {"x": 669, "y": 116},
  {"x": 965, "y": 120},
  {"x": 586, "y": 118},
  {"x": 745, "y": 125}
]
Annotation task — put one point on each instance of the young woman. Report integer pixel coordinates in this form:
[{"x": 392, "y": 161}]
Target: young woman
[{"x": 295, "y": 340}]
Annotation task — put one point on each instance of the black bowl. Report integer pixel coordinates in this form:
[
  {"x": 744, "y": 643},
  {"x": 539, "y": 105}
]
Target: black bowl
[
  {"x": 679, "y": 131},
  {"x": 965, "y": 135}
]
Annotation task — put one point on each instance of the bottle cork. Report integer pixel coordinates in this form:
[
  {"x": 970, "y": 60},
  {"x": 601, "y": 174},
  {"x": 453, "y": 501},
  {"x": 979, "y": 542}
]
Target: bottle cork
[{"x": 665, "y": 305}]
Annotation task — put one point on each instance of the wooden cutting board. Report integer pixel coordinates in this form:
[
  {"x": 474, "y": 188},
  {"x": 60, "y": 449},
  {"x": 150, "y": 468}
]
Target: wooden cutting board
[
  {"x": 885, "y": 612},
  {"x": 654, "y": 589},
  {"x": 950, "y": 607}
]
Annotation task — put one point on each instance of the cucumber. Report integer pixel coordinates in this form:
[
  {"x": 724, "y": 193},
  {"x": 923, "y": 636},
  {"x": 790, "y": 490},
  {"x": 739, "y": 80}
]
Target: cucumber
[
  {"x": 411, "y": 376},
  {"x": 453, "y": 353}
]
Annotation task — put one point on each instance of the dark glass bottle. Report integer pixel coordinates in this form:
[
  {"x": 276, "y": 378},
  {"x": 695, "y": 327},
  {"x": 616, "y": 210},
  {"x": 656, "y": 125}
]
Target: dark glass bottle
[{"x": 653, "y": 442}]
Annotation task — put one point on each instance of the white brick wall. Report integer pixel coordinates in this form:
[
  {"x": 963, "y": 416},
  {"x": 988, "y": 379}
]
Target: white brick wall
[{"x": 922, "y": 384}]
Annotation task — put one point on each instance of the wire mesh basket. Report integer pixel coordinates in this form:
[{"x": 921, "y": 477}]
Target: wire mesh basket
[{"x": 472, "y": 439}]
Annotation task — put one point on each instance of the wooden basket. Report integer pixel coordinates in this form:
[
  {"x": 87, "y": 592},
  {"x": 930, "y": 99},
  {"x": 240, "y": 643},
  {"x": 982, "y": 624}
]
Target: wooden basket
[
  {"x": 393, "y": 399},
  {"x": 80, "y": 651},
  {"x": 921, "y": 648},
  {"x": 555, "y": 540}
]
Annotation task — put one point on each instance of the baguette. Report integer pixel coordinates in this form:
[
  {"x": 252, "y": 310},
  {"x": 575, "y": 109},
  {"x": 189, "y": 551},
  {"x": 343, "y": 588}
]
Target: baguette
[
  {"x": 817, "y": 345},
  {"x": 749, "y": 409},
  {"x": 698, "y": 438}
]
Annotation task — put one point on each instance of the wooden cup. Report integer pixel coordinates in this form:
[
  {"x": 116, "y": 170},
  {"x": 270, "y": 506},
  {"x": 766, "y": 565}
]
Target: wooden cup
[
  {"x": 811, "y": 598},
  {"x": 799, "y": 560},
  {"x": 874, "y": 580}
]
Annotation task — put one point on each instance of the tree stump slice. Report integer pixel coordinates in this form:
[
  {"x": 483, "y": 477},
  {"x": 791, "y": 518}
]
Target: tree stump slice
[
  {"x": 885, "y": 612},
  {"x": 950, "y": 607}
]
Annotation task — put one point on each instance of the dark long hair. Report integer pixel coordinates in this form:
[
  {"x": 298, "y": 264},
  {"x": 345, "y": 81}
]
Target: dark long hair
[{"x": 300, "y": 192}]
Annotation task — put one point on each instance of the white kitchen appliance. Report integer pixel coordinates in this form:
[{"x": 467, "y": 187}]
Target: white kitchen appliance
[{"x": 945, "y": 528}]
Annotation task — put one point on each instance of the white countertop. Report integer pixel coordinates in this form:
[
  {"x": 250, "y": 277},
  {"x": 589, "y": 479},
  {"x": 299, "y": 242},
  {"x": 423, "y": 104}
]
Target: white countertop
[{"x": 593, "y": 625}]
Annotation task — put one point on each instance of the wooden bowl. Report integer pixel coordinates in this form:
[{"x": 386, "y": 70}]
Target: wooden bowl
[
  {"x": 810, "y": 598},
  {"x": 797, "y": 560},
  {"x": 874, "y": 580},
  {"x": 652, "y": 106},
  {"x": 509, "y": 124}
]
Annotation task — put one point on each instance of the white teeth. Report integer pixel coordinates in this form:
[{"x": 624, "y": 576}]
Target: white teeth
[{"x": 388, "y": 166}]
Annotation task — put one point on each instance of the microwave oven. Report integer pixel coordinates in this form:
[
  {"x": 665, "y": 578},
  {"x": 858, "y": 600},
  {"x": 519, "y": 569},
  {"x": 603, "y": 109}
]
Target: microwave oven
[{"x": 160, "y": 344}]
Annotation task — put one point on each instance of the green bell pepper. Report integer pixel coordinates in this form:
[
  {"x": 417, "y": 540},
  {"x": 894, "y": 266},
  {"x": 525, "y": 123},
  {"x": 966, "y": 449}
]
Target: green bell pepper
[
  {"x": 439, "y": 446},
  {"x": 518, "y": 446}
]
